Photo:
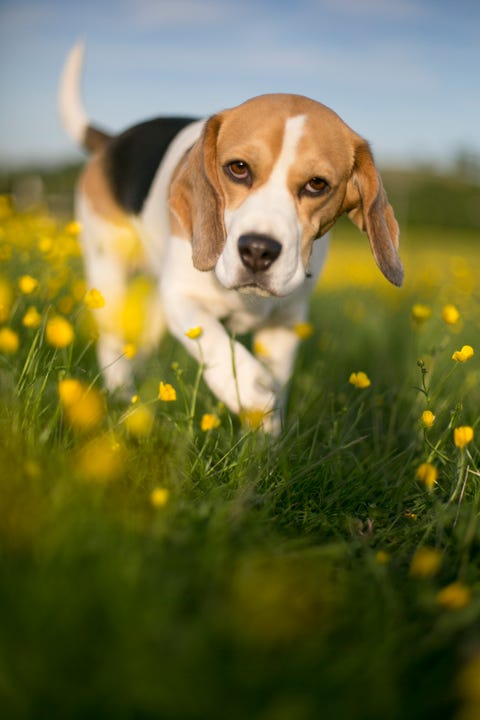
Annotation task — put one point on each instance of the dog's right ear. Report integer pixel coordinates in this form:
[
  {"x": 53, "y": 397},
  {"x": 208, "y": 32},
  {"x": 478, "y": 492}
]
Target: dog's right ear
[{"x": 196, "y": 199}]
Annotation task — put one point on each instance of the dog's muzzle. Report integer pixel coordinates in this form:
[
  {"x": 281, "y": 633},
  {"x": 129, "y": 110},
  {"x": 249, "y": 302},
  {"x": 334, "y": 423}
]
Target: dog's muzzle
[{"x": 258, "y": 252}]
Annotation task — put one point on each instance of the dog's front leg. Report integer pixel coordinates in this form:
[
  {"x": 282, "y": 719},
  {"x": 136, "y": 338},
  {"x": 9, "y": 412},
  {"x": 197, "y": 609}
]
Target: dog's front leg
[{"x": 237, "y": 378}]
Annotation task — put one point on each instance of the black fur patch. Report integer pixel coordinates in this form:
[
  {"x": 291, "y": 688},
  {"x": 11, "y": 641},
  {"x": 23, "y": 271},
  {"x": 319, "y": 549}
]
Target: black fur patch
[{"x": 133, "y": 157}]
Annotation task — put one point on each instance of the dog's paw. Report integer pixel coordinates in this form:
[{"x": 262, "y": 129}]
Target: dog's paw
[{"x": 246, "y": 387}]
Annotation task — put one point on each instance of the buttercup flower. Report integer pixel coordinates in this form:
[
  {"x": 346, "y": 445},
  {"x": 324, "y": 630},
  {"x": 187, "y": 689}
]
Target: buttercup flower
[
  {"x": 260, "y": 349},
  {"x": 73, "y": 228},
  {"x": 159, "y": 497},
  {"x": 9, "y": 341},
  {"x": 139, "y": 421},
  {"x": 425, "y": 562},
  {"x": 94, "y": 299},
  {"x": 421, "y": 313},
  {"x": 194, "y": 333},
  {"x": 464, "y": 354},
  {"x": 83, "y": 405},
  {"x": 427, "y": 419},
  {"x": 454, "y": 596},
  {"x": 463, "y": 435},
  {"x": 303, "y": 330},
  {"x": 32, "y": 318},
  {"x": 209, "y": 422},
  {"x": 59, "y": 332},
  {"x": 130, "y": 350},
  {"x": 427, "y": 474},
  {"x": 102, "y": 459},
  {"x": 359, "y": 380},
  {"x": 27, "y": 284},
  {"x": 252, "y": 418},
  {"x": 166, "y": 392},
  {"x": 450, "y": 315}
]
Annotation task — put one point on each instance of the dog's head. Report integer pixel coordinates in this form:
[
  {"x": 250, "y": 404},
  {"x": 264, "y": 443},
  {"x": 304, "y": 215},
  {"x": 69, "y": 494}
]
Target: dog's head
[{"x": 269, "y": 177}]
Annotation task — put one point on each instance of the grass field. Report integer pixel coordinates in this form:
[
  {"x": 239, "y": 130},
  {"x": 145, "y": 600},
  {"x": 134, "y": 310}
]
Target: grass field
[{"x": 163, "y": 561}]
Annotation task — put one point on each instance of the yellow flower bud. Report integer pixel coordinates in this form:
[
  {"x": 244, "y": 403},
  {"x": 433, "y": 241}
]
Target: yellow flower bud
[
  {"x": 427, "y": 419},
  {"x": 303, "y": 330},
  {"x": 421, "y": 313},
  {"x": 428, "y": 474},
  {"x": 9, "y": 341},
  {"x": 454, "y": 596},
  {"x": 159, "y": 497},
  {"x": 209, "y": 422},
  {"x": 59, "y": 332},
  {"x": 463, "y": 435},
  {"x": 425, "y": 562},
  {"x": 450, "y": 315},
  {"x": 27, "y": 284},
  {"x": 94, "y": 299}
]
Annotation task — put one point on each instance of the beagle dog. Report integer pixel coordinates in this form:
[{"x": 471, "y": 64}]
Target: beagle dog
[{"x": 232, "y": 214}]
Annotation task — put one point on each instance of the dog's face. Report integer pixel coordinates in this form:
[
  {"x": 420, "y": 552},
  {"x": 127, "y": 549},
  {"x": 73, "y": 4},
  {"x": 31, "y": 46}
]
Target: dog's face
[{"x": 269, "y": 177}]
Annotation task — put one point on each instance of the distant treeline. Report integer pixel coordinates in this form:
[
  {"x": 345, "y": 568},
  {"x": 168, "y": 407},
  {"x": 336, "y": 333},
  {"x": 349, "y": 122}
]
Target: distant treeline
[{"x": 420, "y": 196}]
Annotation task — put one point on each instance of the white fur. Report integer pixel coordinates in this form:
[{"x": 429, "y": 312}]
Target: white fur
[
  {"x": 70, "y": 105},
  {"x": 187, "y": 297}
]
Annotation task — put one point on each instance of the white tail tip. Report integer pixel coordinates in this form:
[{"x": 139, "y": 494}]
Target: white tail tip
[{"x": 70, "y": 104}]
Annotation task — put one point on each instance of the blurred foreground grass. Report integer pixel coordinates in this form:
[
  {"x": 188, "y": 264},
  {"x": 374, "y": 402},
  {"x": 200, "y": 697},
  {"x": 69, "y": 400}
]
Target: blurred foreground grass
[{"x": 162, "y": 561}]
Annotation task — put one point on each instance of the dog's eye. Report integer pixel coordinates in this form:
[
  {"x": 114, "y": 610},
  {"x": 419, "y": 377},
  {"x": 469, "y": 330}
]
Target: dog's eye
[
  {"x": 315, "y": 186},
  {"x": 239, "y": 171}
]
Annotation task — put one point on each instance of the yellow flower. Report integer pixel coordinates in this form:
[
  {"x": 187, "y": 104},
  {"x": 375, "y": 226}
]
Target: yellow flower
[
  {"x": 32, "y": 318},
  {"x": 382, "y": 557},
  {"x": 139, "y": 421},
  {"x": 59, "y": 332},
  {"x": 450, "y": 315},
  {"x": 166, "y": 392},
  {"x": 421, "y": 313},
  {"x": 130, "y": 350},
  {"x": 454, "y": 596},
  {"x": 359, "y": 380},
  {"x": 209, "y": 422},
  {"x": 73, "y": 228},
  {"x": 159, "y": 497},
  {"x": 83, "y": 406},
  {"x": 425, "y": 562},
  {"x": 260, "y": 349},
  {"x": 6, "y": 298},
  {"x": 464, "y": 354},
  {"x": 27, "y": 284},
  {"x": 427, "y": 419},
  {"x": 9, "y": 341},
  {"x": 252, "y": 418},
  {"x": 303, "y": 330},
  {"x": 102, "y": 459},
  {"x": 194, "y": 333},
  {"x": 463, "y": 435},
  {"x": 427, "y": 474},
  {"x": 94, "y": 299}
]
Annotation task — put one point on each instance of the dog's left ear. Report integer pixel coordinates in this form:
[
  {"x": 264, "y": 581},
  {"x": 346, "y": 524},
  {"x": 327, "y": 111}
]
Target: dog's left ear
[
  {"x": 369, "y": 209},
  {"x": 196, "y": 200}
]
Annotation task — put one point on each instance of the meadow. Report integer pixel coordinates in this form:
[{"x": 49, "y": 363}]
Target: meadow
[{"x": 164, "y": 559}]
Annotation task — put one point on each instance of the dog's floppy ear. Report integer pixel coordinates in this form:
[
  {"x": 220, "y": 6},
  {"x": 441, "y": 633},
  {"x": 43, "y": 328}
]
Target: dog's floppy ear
[
  {"x": 196, "y": 200},
  {"x": 369, "y": 209}
]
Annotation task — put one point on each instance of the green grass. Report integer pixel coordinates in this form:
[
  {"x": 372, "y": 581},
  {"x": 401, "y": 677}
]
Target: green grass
[{"x": 276, "y": 582}]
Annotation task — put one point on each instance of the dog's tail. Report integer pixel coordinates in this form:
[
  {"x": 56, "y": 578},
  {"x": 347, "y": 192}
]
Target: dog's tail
[{"x": 70, "y": 104}]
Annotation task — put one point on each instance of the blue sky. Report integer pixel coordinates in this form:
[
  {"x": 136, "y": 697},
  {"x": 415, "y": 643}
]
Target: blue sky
[{"x": 403, "y": 73}]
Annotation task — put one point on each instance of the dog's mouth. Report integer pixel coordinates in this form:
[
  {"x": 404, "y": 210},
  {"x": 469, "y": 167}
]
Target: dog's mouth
[{"x": 254, "y": 289}]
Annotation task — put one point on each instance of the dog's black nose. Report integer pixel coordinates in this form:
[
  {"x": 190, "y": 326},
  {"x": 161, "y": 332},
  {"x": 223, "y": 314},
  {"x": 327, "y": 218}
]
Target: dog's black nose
[{"x": 257, "y": 251}]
